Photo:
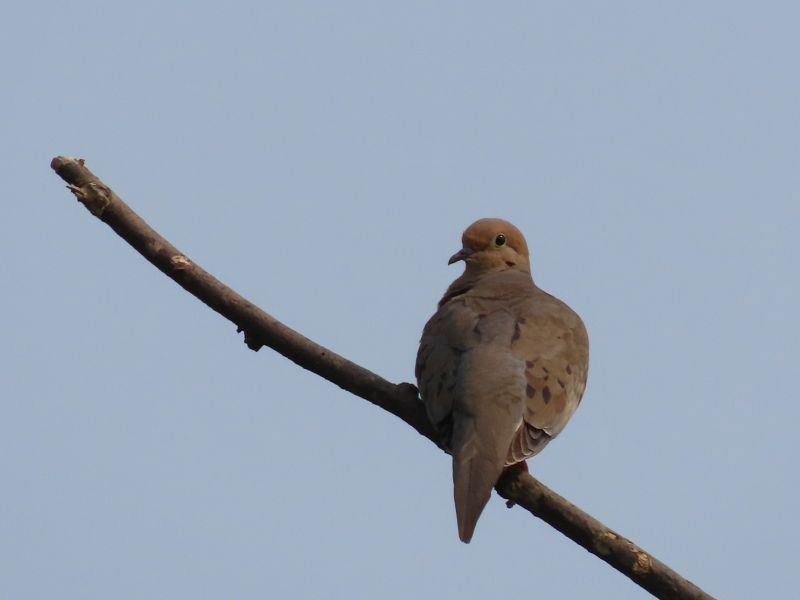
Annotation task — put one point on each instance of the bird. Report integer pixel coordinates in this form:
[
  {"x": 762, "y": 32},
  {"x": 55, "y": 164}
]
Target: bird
[{"x": 502, "y": 365}]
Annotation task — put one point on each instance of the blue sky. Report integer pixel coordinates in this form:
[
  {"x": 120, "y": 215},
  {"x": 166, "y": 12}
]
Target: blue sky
[{"x": 323, "y": 160}]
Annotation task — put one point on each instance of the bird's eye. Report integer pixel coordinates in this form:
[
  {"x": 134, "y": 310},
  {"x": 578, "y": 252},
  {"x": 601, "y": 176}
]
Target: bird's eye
[{"x": 500, "y": 240}]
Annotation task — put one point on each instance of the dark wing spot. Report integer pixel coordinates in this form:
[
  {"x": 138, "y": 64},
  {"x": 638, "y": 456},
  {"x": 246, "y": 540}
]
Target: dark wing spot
[
  {"x": 530, "y": 391},
  {"x": 561, "y": 383},
  {"x": 477, "y": 329},
  {"x": 445, "y": 428},
  {"x": 529, "y": 364},
  {"x": 569, "y": 370},
  {"x": 421, "y": 366},
  {"x": 517, "y": 333},
  {"x": 546, "y": 394},
  {"x": 453, "y": 377},
  {"x": 510, "y": 263}
]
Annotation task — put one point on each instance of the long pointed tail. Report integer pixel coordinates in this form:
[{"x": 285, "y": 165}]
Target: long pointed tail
[{"x": 473, "y": 478}]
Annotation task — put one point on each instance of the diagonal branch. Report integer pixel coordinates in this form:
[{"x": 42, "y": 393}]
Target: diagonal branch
[{"x": 261, "y": 329}]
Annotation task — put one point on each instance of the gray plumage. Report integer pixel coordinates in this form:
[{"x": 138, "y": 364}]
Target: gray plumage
[{"x": 502, "y": 365}]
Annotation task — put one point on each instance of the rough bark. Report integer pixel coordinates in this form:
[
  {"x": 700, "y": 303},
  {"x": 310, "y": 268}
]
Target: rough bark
[{"x": 261, "y": 329}]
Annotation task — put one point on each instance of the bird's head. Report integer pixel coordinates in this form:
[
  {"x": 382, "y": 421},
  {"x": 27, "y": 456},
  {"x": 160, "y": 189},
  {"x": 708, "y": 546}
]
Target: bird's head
[{"x": 493, "y": 245}]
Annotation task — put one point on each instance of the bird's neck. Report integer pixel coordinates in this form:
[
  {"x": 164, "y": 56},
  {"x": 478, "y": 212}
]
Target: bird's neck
[{"x": 470, "y": 278}]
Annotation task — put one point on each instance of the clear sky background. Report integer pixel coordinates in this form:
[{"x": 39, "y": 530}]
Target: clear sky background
[{"x": 323, "y": 159}]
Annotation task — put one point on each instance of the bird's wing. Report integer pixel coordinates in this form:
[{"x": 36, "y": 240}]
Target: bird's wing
[
  {"x": 474, "y": 383},
  {"x": 555, "y": 350}
]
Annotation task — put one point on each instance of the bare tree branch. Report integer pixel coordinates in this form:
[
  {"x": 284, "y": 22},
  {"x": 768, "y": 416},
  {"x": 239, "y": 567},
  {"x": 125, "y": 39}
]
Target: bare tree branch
[{"x": 261, "y": 329}]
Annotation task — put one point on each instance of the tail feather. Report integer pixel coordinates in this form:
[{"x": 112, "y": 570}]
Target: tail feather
[{"x": 474, "y": 477}]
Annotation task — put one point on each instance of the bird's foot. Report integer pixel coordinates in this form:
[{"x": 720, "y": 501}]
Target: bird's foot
[{"x": 409, "y": 388}]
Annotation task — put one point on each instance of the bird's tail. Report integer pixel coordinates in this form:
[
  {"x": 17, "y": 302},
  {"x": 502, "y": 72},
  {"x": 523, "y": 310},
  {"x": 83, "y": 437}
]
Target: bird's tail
[{"x": 474, "y": 477}]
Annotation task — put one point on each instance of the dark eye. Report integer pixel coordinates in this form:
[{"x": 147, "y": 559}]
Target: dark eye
[{"x": 500, "y": 240}]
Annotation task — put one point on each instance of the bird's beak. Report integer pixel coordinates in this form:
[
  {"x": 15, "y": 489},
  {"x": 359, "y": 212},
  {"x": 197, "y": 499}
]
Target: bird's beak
[{"x": 462, "y": 254}]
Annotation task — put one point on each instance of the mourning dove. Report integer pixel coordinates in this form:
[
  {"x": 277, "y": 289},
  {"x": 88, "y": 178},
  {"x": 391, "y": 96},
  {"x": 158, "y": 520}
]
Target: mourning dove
[{"x": 501, "y": 366}]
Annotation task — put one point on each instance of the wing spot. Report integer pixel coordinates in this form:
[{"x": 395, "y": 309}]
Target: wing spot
[
  {"x": 529, "y": 364},
  {"x": 517, "y": 332},
  {"x": 561, "y": 383},
  {"x": 477, "y": 329},
  {"x": 569, "y": 370},
  {"x": 546, "y": 394},
  {"x": 530, "y": 391}
]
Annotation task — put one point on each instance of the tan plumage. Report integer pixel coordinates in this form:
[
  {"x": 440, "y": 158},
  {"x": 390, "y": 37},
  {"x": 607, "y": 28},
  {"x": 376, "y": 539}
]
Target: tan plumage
[{"x": 501, "y": 366}]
